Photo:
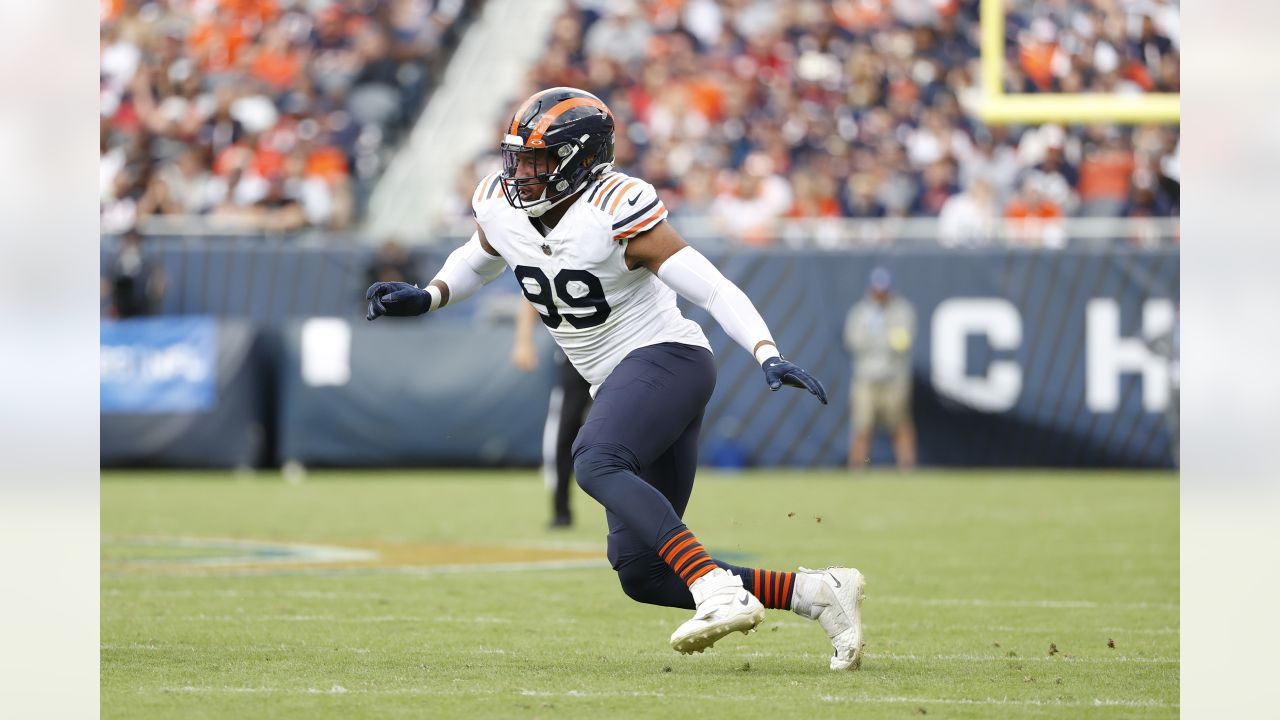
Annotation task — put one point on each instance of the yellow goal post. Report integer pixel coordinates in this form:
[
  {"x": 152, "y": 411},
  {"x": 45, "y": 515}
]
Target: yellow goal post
[{"x": 998, "y": 107}]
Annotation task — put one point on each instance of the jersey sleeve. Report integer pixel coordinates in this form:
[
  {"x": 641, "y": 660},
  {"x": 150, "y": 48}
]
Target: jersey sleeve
[
  {"x": 632, "y": 205},
  {"x": 489, "y": 188}
]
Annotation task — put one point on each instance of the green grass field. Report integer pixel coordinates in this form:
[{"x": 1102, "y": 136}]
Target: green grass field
[{"x": 441, "y": 594}]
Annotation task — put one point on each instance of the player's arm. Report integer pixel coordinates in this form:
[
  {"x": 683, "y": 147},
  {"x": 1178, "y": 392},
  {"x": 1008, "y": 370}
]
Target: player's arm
[
  {"x": 689, "y": 273},
  {"x": 465, "y": 271},
  {"x": 524, "y": 353}
]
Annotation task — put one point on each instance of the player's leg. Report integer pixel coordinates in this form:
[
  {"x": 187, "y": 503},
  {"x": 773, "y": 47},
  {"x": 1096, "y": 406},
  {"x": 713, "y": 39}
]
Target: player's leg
[
  {"x": 645, "y": 405},
  {"x": 652, "y": 399},
  {"x": 575, "y": 396},
  {"x": 893, "y": 413},
  {"x": 833, "y": 596},
  {"x": 863, "y": 419},
  {"x": 647, "y": 576},
  {"x": 644, "y": 575},
  {"x": 554, "y": 459},
  {"x": 637, "y": 411}
]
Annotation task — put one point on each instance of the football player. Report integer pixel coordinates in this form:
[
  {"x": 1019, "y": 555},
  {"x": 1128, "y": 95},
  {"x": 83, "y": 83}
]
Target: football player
[{"x": 591, "y": 250}]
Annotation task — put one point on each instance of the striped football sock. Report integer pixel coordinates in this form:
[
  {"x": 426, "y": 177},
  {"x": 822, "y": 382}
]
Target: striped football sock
[
  {"x": 686, "y": 556},
  {"x": 772, "y": 587}
]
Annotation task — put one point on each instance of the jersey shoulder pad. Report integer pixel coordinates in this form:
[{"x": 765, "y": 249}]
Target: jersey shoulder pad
[
  {"x": 632, "y": 204},
  {"x": 489, "y": 189}
]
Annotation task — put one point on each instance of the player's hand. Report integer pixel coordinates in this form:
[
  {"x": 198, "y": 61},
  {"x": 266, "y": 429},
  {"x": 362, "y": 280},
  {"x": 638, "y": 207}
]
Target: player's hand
[
  {"x": 397, "y": 299},
  {"x": 779, "y": 371},
  {"x": 524, "y": 355}
]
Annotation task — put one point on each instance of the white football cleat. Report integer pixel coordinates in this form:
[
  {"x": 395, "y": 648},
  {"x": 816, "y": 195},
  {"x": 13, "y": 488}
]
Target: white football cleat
[
  {"x": 833, "y": 597},
  {"x": 723, "y": 606}
]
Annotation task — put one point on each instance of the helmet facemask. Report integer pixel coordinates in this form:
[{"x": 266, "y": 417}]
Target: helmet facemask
[{"x": 536, "y": 179}]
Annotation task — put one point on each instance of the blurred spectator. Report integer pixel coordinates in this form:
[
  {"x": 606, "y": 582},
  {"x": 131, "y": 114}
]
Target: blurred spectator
[
  {"x": 1105, "y": 173},
  {"x": 754, "y": 202},
  {"x": 1094, "y": 46},
  {"x": 1034, "y": 219},
  {"x": 622, "y": 35},
  {"x": 268, "y": 114},
  {"x": 133, "y": 286},
  {"x": 392, "y": 263},
  {"x": 969, "y": 218},
  {"x": 937, "y": 185},
  {"x": 873, "y": 99},
  {"x": 879, "y": 332},
  {"x": 193, "y": 186}
]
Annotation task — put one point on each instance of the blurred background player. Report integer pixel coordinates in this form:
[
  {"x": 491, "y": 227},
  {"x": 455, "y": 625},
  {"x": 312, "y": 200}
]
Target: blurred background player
[
  {"x": 879, "y": 332},
  {"x": 566, "y": 411},
  {"x": 134, "y": 285}
]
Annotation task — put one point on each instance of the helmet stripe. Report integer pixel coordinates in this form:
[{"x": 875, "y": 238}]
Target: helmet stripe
[
  {"x": 535, "y": 137},
  {"x": 515, "y": 119}
]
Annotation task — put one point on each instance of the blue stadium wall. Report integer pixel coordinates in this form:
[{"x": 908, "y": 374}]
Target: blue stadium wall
[{"x": 1022, "y": 358}]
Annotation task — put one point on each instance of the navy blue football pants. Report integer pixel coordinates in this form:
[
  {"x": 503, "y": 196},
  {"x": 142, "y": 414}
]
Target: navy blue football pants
[{"x": 637, "y": 454}]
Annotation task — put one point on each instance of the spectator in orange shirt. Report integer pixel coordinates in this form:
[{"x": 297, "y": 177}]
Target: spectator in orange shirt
[
  {"x": 1036, "y": 51},
  {"x": 216, "y": 43},
  {"x": 1033, "y": 219},
  {"x": 275, "y": 62},
  {"x": 1105, "y": 175}
]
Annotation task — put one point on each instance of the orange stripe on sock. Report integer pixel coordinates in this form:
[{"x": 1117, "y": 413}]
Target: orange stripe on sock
[
  {"x": 755, "y": 583},
  {"x": 676, "y": 551},
  {"x": 786, "y": 590},
  {"x": 690, "y": 561},
  {"x": 705, "y": 569},
  {"x": 688, "y": 555},
  {"x": 695, "y": 566},
  {"x": 674, "y": 538}
]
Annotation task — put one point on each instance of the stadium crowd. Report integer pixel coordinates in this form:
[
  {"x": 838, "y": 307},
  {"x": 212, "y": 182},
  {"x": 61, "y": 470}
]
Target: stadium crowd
[
  {"x": 264, "y": 114},
  {"x": 749, "y": 112}
]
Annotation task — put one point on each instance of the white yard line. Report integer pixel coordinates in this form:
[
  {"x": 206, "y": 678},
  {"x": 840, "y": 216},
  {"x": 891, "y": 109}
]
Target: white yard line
[
  {"x": 969, "y": 658},
  {"x": 980, "y": 602},
  {"x": 418, "y": 619},
  {"x": 1064, "y": 630},
  {"x": 242, "y": 569},
  {"x": 860, "y": 699}
]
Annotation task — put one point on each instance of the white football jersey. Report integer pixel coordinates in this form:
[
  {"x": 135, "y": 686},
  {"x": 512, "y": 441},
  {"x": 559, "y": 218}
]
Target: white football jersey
[{"x": 577, "y": 277}]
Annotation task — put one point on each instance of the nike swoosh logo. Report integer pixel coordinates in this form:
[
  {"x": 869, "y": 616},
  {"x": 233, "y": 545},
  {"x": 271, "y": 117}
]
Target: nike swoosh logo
[
  {"x": 743, "y": 600},
  {"x": 633, "y": 200},
  {"x": 834, "y": 580}
]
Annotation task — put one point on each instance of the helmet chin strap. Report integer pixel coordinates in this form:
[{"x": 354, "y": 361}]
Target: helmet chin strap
[{"x": 542, "y": 206}]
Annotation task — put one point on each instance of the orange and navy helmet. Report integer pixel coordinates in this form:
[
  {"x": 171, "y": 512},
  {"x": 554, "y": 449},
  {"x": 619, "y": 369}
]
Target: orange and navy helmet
[{"x": 558, "y": 141}]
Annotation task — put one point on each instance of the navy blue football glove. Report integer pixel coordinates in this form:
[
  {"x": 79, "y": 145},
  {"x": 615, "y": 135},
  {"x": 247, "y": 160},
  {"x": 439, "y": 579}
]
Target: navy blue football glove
[
  {"x": 396, "y": 299},
  {"x": 779, "y": 371}
]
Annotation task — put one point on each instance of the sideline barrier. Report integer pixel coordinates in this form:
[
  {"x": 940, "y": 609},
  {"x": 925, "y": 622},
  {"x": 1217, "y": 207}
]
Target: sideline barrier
[
  {"x": 403, "y": 392},
  {"x": 1022, "y": 357},
  {"x": 184, "y": 391}
]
